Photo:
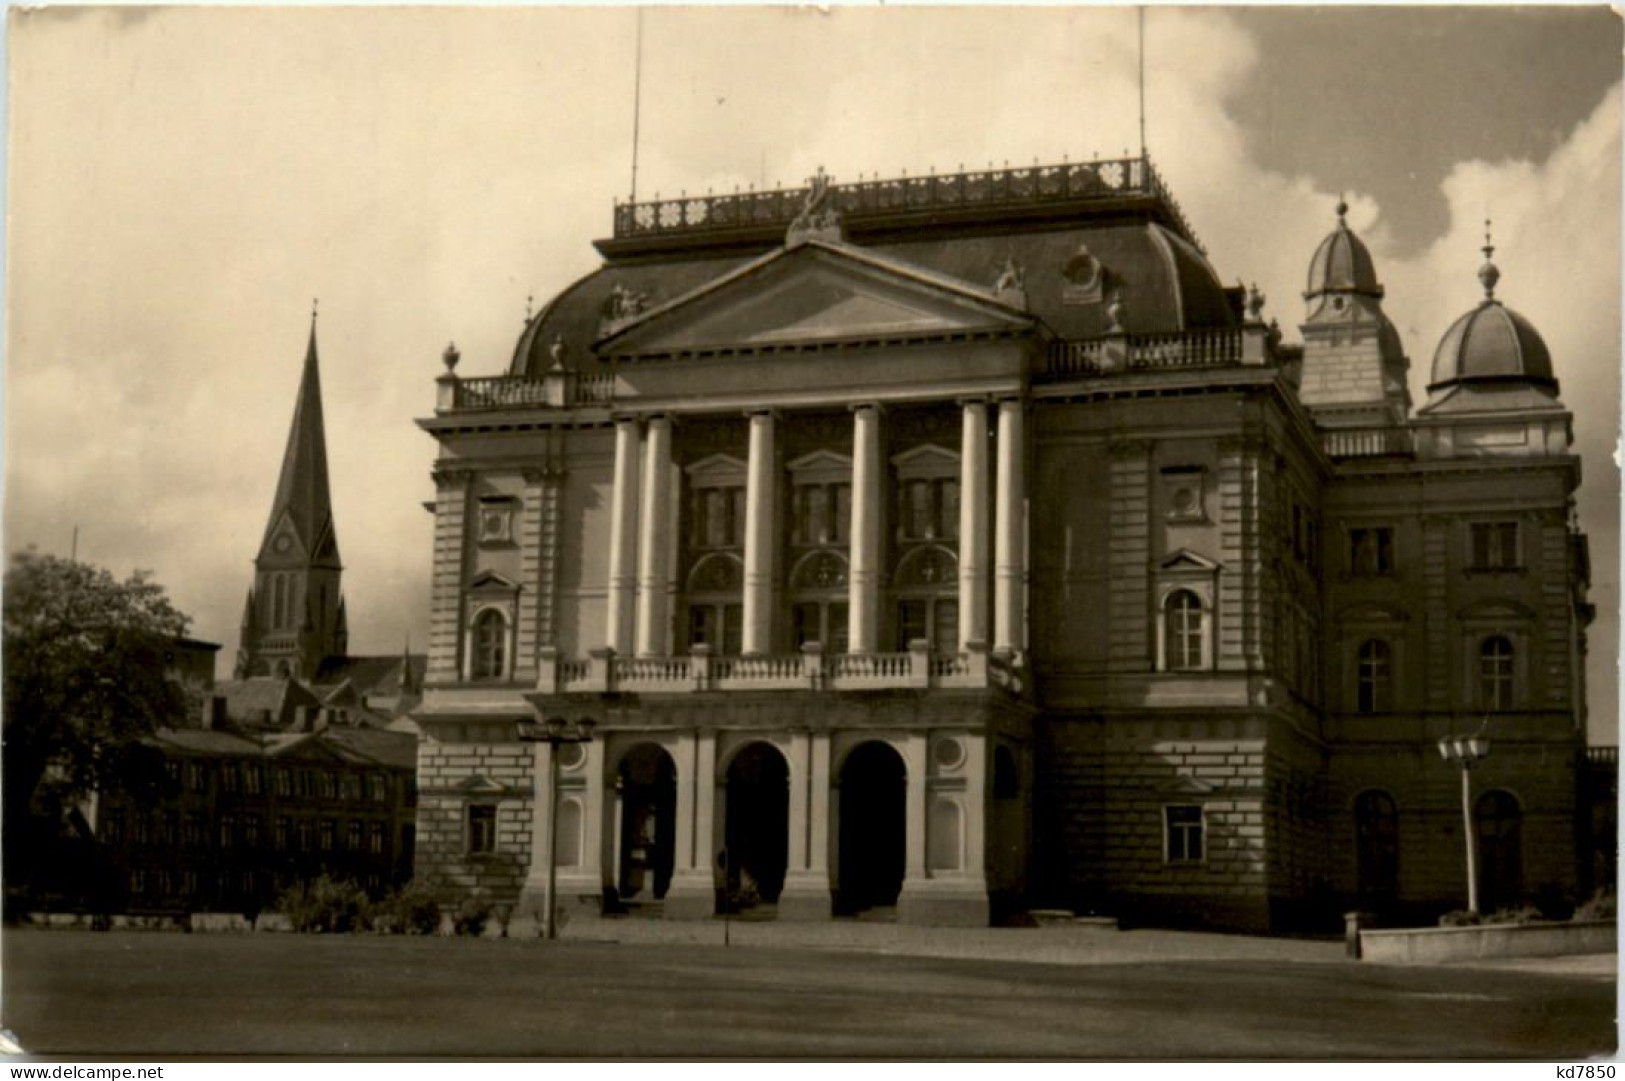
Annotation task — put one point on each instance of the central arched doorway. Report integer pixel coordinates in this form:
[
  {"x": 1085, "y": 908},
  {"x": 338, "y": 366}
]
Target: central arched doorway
[
  {"x": 758, "y": 824},
  {"x": 873, "y": 832},
  {"x": 646, "y": 804}
]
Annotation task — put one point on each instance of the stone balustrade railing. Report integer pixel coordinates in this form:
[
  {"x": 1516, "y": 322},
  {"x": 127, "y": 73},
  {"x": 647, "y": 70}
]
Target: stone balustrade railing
[
  {"x": 811, "y": 669},
  {"x": 1367, "y": 442},
  {"x": 1214, "y": 347}
]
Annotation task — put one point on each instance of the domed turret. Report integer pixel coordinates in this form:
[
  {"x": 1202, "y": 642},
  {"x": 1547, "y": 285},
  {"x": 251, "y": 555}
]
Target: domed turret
[
  {"x": 1354, "y": 366},
  {"x": 1342, "y": 264},
  {"x": 1491, "y": 343}
]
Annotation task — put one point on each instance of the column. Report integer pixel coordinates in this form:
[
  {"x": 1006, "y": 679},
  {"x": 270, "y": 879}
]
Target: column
[
  {"x": 759, "y": 486},
  {"x": 806, "y": 894},
  {"x": 620, "y": 610},
  {"x": 653, "y": 525},
  {"x": 1010, "y": 555},
  {"x": 693, "y": 893},
  {"x": 973, "y": 525},
  {"x": 863, "y": 612}
]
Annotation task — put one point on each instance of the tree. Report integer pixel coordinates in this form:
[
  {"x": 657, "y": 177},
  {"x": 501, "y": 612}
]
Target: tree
[{"x": 86, "y": 679}]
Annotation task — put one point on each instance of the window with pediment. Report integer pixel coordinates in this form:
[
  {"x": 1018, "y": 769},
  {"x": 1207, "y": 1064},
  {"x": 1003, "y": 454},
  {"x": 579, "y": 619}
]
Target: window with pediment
[
  {"x": 927, "y": 493},
  {"x": 1187, "y": 584},
  {"x": 820, "y": 500},
  {"x": 716, "y": 503}
]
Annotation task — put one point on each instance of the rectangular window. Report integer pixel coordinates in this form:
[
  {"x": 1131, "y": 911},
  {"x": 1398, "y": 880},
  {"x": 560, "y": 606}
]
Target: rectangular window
[
  {"x": 911, "y": 621},
  {"x": 172, "y": 772},
  {"x": 352, "y": 838},
  {"x": 328, "y": 835},
  {"x": 284, "y": 782},
  {"x": 482, "y": 828},
  {"x": 377, "y": 788},
  {"x": 196, "y": 779},
  {"x": 1495, "y": 546},
  {"x": 251, "y": 779},
  {"x": 841, "y": 514},
  {"x": 305, "y": 834},
  {"x": 228, "y": 831},
  {"x": 228, "y": 779},
  {"x": 113, "y": 828},
  {"x": 193, "y": 835},
  {"x": 141, "y": 827},
  {"x": 817, "y": 514},
  {"x": 251, "y": 832},
  {"x": 948, "y": 508},
  {"x": 330, "y": 784},
  {"x": 282, "y": 834},
  {"x": 804, "y": 624},
  {"x": 375, "y": 838},
  {"x": 921, "y": 517},
  {"x": 1371, "y": 551},
  {"x": 1182, "y": 826},
  {"x": 945, "y": 626}
]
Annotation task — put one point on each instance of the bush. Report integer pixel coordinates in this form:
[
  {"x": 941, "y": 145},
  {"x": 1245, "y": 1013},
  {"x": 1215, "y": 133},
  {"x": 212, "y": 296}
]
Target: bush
[
  {"x": 1599, "y": 906},
  {"x": 325, "y": 905},
  {"x": 471, "y": 916},
  {"x": 1515, "y": 914},
  {"x": 411, "y": 910},
  {"x": 1460, "y": 918}
]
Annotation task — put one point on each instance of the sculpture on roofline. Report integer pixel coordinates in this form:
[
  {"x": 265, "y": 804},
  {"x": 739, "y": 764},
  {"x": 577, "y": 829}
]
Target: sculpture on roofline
[{"x": 818, "y": 219}]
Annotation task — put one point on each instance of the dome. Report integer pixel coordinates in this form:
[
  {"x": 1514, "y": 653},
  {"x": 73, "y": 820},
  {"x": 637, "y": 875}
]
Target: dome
[
  {"x": 1342, "y": 263},
  {"x": 1492, "y": 342}
]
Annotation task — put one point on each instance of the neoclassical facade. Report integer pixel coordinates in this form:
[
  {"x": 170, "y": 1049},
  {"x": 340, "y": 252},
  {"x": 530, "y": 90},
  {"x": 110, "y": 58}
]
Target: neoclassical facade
[{"x": 955, "y": 545}]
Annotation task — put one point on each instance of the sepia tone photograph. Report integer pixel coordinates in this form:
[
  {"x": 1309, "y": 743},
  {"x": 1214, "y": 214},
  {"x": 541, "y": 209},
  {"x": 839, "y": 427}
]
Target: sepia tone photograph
[{"x": 961, "y": 533}]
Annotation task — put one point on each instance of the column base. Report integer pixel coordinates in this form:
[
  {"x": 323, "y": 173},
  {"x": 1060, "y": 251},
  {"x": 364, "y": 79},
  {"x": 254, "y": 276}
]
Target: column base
[
  {"x": 579, "y": 901},
  {"x": 937, "y": 902},
  {"x": 806, "y": 898},
  {"x": 690, "y": 897}
]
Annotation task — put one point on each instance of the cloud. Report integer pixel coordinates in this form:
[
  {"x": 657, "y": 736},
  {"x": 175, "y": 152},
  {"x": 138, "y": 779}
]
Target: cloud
[{"x": 182, "y": 185}]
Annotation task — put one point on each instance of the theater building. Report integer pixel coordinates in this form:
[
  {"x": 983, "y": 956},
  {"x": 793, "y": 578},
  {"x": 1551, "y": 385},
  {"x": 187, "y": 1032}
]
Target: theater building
[{"x": 954, "y": 545}]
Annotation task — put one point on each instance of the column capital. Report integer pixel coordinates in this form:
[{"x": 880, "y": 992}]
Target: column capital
[
  {"x": 662, "y": 418},
  {"x": 625, "y": 417},
  {"x": 771, "y": 412},
  {"x": 451, "y": 476},
  {"x": 858, "y": 407},
  {"x": 974, "y": 400}
]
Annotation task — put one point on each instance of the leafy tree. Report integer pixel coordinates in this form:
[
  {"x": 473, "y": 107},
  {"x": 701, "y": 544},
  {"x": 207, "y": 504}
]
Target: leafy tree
[{"x": 86, "y": 678}]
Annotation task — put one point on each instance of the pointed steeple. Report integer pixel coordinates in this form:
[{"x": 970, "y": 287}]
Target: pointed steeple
[{"x": 300, "y": 528}]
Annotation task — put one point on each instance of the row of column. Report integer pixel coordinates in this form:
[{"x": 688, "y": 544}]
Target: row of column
[{"x": 640, "y": 525}]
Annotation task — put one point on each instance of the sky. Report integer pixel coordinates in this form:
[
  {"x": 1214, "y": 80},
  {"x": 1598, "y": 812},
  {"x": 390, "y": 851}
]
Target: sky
[{"x": 183, "y": 181}]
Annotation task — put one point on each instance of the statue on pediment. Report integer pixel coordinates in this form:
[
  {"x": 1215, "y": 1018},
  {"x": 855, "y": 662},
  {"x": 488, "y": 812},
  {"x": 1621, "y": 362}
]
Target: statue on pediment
[
  {"x": 1011, "y": 284},
  {"x": 819, "y": 219}
]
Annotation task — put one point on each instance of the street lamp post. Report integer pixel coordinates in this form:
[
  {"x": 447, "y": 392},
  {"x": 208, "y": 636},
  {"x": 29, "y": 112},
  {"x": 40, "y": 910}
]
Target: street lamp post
[
  {"x": 555, "y": 732},
  {"x": 1463, "y": 751}
]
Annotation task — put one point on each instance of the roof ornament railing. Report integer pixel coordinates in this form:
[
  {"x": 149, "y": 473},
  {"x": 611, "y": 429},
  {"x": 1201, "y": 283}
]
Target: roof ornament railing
[{"x": 1029, "y": 185}]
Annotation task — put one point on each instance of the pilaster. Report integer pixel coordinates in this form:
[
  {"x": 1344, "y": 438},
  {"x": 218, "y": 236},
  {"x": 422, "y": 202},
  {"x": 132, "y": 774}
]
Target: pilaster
[{"x": 446, "y": 591}]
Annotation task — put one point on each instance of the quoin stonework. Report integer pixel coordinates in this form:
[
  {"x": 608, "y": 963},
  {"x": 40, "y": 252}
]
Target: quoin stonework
[{"x": 958, "y": 545}]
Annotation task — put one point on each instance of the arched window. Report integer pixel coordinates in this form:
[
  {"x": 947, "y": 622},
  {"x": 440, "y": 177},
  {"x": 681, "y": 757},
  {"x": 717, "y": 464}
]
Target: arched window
[
  {"x": 1376, "y": 845},
  {"x": 1495, "y": 673},
  {"x": 1498, "y": 821},
  {"x": 1374, "y": 680},
  {"x": 490, "y": 644},
  {"x": 1182, "y": 635}
]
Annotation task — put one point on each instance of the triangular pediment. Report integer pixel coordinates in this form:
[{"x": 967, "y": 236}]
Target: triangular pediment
[
  {"x": 814, "y": 294},
  {"x": 820, "y": 461},
  {"x": 1186, "y": 560},
  {"x": 718, "y": 466},
  {"x": 283, "y": 544},
  {"x": 1184, "y": 785},
  {"x": 926, "y": 458},
  {"x": 492, "y": 582}
]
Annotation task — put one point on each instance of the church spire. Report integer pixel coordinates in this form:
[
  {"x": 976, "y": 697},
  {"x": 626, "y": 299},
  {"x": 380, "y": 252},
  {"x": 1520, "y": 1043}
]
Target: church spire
[{"x": 300, "y": 528}]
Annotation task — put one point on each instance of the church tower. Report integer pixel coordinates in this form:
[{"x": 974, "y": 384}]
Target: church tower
[
  {"x": 1354, "y": 367},
  {"x": 294, "y": 616}
]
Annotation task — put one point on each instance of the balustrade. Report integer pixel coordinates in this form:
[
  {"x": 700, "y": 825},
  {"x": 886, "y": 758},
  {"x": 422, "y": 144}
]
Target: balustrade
[
  {"x": 810, "y": 669},
  {"x": 1367, "y": 442},
  {"x": 1022, "y": 185}
]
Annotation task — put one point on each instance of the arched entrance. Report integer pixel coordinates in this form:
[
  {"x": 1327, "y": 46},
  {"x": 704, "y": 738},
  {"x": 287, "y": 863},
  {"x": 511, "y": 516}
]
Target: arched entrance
[
  {"x": 873, "y": 832},
  {"x": 758, "y": 824},
  {"x": 646, "y": 805}
]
